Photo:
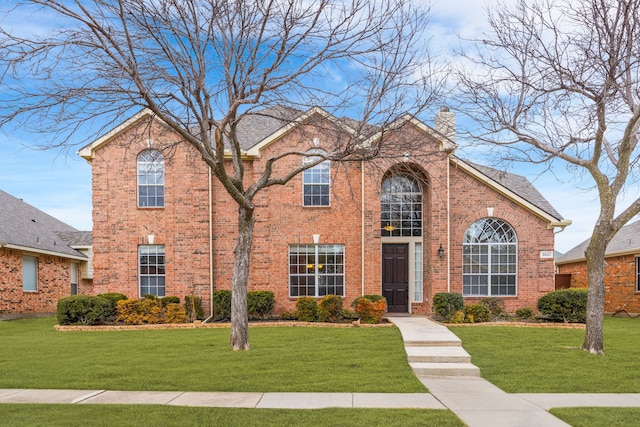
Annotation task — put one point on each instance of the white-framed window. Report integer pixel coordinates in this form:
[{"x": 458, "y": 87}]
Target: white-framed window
[
  {"x": 637, "y": 274},
  {"x": 74, "y": 278},
  {"x": 29, "y": 273},
  {"x": 401, "y": 207},
  {"x": 151, "y": 269},
  {"x": 490, "y": 259},
  {"x": 316, "y": 270},
  {"x": 150, "y": 179},
  {"x": 417, "y": 273},
  {"x": 316, "y": 181}
]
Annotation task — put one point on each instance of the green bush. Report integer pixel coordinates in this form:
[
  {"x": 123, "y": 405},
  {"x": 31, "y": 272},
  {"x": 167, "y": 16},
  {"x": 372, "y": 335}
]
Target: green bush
[
  {"x": 306, "y": 309},
  {"x": 222, "y": 304},
  {"x": 194, "y": 311},
  {"x": 445, "y": 304},
  {"x": 165, "y": 301},
  {"x": 349, "y": 314},
  {"x": 150, "y": 296},
  {"x": 476, "y": 313},
  {"x": 566, "y": 305},
  {"x": 83, "y": 309},
  {"x": 495, "y": 306},
  {"x": 525, "y": 313},
  {"x": 260, "y": 304},
  {"x": 330, "y": 308},
  {"x": 371, "y": 297},
  {"x": 113, "y": 298}
]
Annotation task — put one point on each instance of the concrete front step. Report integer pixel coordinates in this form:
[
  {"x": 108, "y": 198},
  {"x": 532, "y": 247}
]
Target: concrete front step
[
  {"x": 445, "y": 369},
  {"x": 452, "y": 342},
  {"x": 448, "y": 354}
]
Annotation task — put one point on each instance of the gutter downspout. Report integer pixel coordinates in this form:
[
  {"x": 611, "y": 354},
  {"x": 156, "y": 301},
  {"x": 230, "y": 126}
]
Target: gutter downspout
[
  {"x": 210, "y": 247},
  {"x": 362, "y": 225},
  {"x": 448, "y": 226}
]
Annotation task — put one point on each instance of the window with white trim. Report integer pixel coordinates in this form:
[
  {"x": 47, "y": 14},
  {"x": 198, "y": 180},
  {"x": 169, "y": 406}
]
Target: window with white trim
[
  {"x": 151, "y": 179},
  {"x": 316, "y": 270},
  {"x": 489, "y": 259},
  {"x": 316, "y": 181},
  {"x": 29, "y": 273},
  {"x": 401, "y": 207},
  {"x": 74, "y": 278},
  {"x": 151, "y": 270},
  {"x": 637, "y": 274},
  {"x": 417, "y": 273}
]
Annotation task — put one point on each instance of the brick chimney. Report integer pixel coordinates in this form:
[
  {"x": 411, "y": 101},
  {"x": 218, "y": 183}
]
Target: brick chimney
[{"x": 445, "y": 123}]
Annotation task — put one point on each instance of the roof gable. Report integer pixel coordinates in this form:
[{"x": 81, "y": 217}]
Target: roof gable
[
  {"x": 25, "y": 227},
  {"x": 626, "y": 241}
]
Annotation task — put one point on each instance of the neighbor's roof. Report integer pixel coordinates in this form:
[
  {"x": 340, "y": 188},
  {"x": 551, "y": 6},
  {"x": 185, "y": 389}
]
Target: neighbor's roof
[
  {"x": 27, "y": 228},
  {"x": 626, "y": 241}
]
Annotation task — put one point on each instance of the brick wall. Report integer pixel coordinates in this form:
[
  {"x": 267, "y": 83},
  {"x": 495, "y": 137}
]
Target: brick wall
[
  {"x": 54, "y": 282},
  {"x": 619, "y": 283}
]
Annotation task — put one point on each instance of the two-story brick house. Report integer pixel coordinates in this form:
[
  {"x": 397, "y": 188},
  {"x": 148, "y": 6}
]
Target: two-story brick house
[{"x": 414, "y": 222}]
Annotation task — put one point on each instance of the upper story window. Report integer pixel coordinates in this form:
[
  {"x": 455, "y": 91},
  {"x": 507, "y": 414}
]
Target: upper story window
[
  {"x": 150, "y": 179},
  {"x": 489, "y": 259},
  {"x": 316, "y": 181},
  {"x": 401, "y": 206}
]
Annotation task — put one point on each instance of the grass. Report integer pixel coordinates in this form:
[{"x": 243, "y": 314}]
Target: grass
[
  {"x": 536, "y": 360},
  {"x": 282, "y": 359},
  {"x": 156, "y": 415},
  {"x": 591, "y": 417}
]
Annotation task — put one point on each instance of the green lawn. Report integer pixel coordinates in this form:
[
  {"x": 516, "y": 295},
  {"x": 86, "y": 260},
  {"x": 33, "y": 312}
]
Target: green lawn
[
  {"x": 597, "y": 417},
  {"x": 536, "y": 360},
  {"x": 155, "y": 415},
  {"x": 284, "y": 359}
]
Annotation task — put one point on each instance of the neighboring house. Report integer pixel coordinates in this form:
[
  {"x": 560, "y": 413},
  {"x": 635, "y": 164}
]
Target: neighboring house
[
  {"x": 622, "y": 269},
  {"x": 41, "y": 259},
  {"x": 415, "y": 222}
]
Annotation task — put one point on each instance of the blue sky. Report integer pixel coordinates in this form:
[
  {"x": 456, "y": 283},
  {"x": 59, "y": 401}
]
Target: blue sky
[{"x": 59, "y": 183}]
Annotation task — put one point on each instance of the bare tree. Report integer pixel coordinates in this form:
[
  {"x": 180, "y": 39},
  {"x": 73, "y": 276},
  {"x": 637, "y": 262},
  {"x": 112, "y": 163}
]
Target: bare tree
[
  {"x": 202, "y": 66},
  {"x": 560, "y": 80}
]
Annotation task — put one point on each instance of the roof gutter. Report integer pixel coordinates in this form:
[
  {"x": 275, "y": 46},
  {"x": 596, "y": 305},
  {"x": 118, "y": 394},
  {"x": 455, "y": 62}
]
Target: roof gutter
[
  {"x": 560, "y": 224},
  {"x": 44, "y": 252}
]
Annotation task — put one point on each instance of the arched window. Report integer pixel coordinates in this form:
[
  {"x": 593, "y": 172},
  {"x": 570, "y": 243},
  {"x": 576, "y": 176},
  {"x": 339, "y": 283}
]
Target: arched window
[
  {"x": 489, "y": 259},
  {"x": 401, "y": 206},
  {"x": 316, "y": 181},
  {"x": 150, "y": 179}
]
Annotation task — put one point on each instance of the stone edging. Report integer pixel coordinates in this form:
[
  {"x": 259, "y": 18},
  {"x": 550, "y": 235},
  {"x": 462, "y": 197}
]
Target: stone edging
[
  {"x": 524, "y": 325},
  {"x": 200, "y": 325}
]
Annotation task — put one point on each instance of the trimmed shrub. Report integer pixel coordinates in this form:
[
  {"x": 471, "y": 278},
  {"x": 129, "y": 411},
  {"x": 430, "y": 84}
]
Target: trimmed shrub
[
  {"x": 193, "y": 308},
  {"x": 458, "y": 317},
  {"x": 165, "y": 301},
  {"x": 222, "y": 304},
  {"x": 174, "y": 313},
  {"x": 476, "y": 313},
  {"x": 83, "y": 309},
  {"x": 260, "y": 304},
  {"x": 138, "y": 312},
  {"x": 525, "y": 313},
  {"x": 445, "y": 304},
  {"x": 495, "y": 306},
  {"x": 566, "y": 305},
  {"x": 287, "y": 315},
  {"x": 330, "y": 308},
  {"x": 348, "y": 314},
  {"x": 306, "y": 309},
  {"x": 113, "y": 298},
  {"x": 150, "y": 296},
  {"x": 370, "y": 310}
]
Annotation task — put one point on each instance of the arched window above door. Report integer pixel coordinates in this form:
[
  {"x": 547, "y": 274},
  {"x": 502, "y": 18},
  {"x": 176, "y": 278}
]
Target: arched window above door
[{"x": 401, "y": 207}]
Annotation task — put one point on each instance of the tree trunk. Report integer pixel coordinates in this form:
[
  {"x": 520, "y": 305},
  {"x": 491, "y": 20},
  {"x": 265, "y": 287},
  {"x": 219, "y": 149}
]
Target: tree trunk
[
  {"x": 594, "y": 337},
  {"x": 242, "y": 252}
]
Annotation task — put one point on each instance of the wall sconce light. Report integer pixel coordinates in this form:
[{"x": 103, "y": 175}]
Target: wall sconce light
[{"x": 441, "y": 251}]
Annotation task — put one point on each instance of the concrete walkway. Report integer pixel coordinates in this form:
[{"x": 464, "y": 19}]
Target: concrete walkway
[{"x": 434, "y": 353}]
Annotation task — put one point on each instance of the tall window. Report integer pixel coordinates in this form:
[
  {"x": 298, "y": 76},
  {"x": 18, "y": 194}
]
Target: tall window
[
  {"x": 151, "y": 267},
  {"x": 401, "y": 206},
  {"x": 74, "y": 278},
  {"x": 637, "y": 274},
  {"x": 417, "y": 273},
  {"x": 316, "y": 181},
  {"x": 489, "y": 259},
  {"x": 150, "y": 179},
  {"x": 316, "y": 270},
  {"x": 29, "y": 273}
]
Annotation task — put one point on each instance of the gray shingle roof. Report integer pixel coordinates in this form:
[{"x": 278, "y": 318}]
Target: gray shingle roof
[
  {"x": 256, "y": 126},
  {"x": 520, "y": 186},
  {"x": 24, "y": 225},
  {"x": 626, "y": 240}
]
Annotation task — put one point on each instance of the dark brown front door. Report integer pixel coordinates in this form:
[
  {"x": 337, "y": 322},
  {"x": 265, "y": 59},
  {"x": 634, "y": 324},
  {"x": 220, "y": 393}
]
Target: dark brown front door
[{"x": 395, "y": 277}]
